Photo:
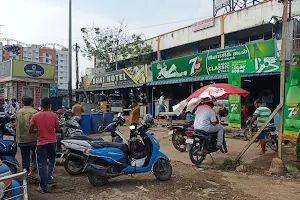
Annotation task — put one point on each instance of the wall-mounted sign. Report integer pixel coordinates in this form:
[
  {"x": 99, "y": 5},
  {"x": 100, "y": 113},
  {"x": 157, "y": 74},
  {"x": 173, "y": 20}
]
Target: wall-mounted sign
[
  {"x": 53, "y": 91},
  {"x": 203, "y": 24},
  {"x": 32, "y": 70},
  {"x": 131, "y": 75},
  {"x": 217, "y": 61}
]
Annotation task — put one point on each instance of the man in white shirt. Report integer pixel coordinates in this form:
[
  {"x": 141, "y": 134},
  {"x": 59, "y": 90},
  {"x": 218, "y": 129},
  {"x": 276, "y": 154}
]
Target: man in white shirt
[
  {"x": 14, "y": 107},
  {"x": 206, "y": 120},
  {"x": 161, "y": 101}
]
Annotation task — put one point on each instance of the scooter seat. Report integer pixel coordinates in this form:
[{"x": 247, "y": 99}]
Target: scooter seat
[
  {"x": 101, "y": 144},
  {"x": 84, "y": 137},
  {"x": 201, "y": 132}
]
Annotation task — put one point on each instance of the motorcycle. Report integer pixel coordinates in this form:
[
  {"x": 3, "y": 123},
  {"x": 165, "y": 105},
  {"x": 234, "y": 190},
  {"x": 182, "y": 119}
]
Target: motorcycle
[
  {"x": 110, "y": 159},
  {"x": 271, "y": 137},
  {"x": 178, "y": 133},
  {"x": 202, "y": 143},
  {"x": 10, "y": 188},
  {"x": 69, "y": 129},
  {"x": 75, "y": 159},
  {"x": 8, "y": 144},
  {"x": 249, "y": 133}
]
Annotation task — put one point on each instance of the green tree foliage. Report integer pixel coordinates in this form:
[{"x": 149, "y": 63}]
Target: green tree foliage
[{"x": 111, "y": 44}]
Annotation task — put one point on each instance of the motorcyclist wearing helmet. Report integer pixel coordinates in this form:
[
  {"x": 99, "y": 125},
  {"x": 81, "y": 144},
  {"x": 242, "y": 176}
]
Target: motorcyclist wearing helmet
[{"x": 206, "y": 120}]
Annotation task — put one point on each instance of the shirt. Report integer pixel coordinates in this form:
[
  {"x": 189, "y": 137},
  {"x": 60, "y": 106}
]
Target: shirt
[
  {"x": 7, "y": 107},
  {"x": 45, "y": 122},
  {"x": 204, "y": 116},
  {"x": 262, "y": 113},
  {"x": 23, "y": 118},
  {"x": 77, "y": 110},
  {"x": 161, "y": 100},
  {"x": 135, "y": 115},
  {"x": 12, "y": 109}
]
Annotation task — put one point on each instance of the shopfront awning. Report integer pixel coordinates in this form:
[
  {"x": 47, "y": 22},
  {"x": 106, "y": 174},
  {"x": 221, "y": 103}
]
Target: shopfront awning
[
  {"x": 189, "y": 79},
  {"x": 110, "y": 88}
]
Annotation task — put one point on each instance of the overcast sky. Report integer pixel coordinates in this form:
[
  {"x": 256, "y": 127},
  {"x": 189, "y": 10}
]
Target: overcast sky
[{"x": 45, "y": 21}]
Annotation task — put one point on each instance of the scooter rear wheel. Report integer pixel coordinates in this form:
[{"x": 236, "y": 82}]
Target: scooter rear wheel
[
  {"x": 162, "y": 169},
  {"x": 97, "y": 180},
  {"x": 73, "y": 166}
]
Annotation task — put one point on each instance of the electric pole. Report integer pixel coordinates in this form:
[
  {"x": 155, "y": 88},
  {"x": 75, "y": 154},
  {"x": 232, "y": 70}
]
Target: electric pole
[
  {"x": 77, "y": 70},
  {"x": 70, "y": 56}
]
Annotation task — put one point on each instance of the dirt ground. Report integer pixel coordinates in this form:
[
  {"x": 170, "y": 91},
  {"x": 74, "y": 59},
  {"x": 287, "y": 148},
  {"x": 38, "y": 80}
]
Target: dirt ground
[{"x": 187, "y": 182}]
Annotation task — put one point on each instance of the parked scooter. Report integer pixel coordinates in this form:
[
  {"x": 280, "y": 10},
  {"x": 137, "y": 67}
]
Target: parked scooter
[
  {"x": 111, "y": 159},
  {"x": 8, "y": 144},
  {"x": 201, "y": 144},
  {"x": 179, "y": 133},
  {"x": 9, "y": 189},
  {"x": 75, "y": 159}
]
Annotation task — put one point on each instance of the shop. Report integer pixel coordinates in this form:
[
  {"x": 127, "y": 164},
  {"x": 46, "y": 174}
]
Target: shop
[
  {"x": 21, "y": 78},
  {"x": 179, "y": 77},
  {"x": 117, "y": 89}
]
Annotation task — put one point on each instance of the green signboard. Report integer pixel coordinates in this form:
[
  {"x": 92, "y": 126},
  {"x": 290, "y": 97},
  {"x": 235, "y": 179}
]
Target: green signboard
[
  {"x": 234, "y": 101},
  {"x": 292, "y": 98},
  {"x": 214, "y": 62}
]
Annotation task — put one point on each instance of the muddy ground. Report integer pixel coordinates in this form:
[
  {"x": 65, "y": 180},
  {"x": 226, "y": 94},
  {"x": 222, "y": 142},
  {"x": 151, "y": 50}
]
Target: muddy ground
[{"x": 187, "y": 182}]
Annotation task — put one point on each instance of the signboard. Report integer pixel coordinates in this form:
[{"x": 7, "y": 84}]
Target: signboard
[
  {"x": 131, "y": 75},
  {"x": 292, "y": 99},
  {"x": 5, "y": 69},
  {"x": 219, "y": 4},
  {"x": 203, "y": 24},
  {"x": 32, "y": 70},
  {"x": 53, "y": 91},
  {"x": 93, "y": 71},
  {"x": 214, "y": 62},
  {"x": 234, "y": 103}
]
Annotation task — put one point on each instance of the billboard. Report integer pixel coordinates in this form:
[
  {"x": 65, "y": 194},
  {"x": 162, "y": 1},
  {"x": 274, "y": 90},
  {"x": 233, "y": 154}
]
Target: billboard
[
  {"x": 5, "y": 69},
  {"x": 32, "y": 70},
  {"x": 130, "y": 75}
]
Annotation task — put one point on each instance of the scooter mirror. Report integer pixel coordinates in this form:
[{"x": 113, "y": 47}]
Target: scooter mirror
[
  {"x": 119, "y": 114},
  {"x": 132, "y": 127}
]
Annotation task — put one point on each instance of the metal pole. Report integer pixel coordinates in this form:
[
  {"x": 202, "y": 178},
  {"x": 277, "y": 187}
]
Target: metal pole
[
  {"x": 282, "y": 74},
  {"x": 70, "y": 55},
  {"x": 77, "y": 66}
]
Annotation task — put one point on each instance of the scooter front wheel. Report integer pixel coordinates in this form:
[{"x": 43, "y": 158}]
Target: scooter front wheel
[
  {"x": 97, "y": 180},
  {"x": 162, "y": 169}
]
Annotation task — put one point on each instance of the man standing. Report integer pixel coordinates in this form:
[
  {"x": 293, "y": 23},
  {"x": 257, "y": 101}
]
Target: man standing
[
  {"x": 77, "y": 110},
  {"x": 46, "y": 123},
  {"x": 26, "y": 140},
  {"x": 134, "y": 114},
  {"x": 206, "y": 120},
  {"x": 14, "y": 107},
  {"x": 7, "y": 106},
  {"x": 261, "y": 114},
  {"x": 161, "y": 101}
]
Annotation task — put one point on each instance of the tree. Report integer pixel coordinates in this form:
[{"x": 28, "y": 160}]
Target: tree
[{"x": 112, "y": 45}]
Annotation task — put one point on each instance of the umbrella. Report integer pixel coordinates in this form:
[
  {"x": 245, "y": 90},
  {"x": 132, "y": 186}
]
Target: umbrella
[{"x": 208, "y": 93}]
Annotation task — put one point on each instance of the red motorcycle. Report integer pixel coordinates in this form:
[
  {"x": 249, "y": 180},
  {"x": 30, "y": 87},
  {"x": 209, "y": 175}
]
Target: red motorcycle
[{"x": 179, "y": 133}]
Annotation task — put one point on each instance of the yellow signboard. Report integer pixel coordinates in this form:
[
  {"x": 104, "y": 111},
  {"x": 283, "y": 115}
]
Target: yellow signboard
[{"x": 32, "y": 70}]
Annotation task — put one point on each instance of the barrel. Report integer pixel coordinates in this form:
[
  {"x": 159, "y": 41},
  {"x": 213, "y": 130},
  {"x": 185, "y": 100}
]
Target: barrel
[
  {"x": 86, "y": 123},
  {"x": 97, "y": 121},
  {"x": 108, "y": 118}
]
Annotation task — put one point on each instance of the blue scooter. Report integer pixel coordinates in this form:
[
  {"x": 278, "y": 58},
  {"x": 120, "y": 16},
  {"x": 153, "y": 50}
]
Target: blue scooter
[
  {"x": 111, "y": 159},
  {"x": 9, "y": 188},
  {"x": 8, "y": 144}
]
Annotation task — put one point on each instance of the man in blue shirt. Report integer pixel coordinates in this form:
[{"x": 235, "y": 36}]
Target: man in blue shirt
[{"x": 7, "y": 106}]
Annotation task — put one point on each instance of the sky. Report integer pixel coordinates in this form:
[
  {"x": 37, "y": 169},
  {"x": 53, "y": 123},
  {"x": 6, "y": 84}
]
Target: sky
[{"x": 46, "y": 21}]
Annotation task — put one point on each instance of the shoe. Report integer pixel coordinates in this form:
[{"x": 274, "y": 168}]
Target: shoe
[
  {"x": 221, "y": 148},
  {"x": 40, "y": 190},
  {"x": 50, "y": 181}
]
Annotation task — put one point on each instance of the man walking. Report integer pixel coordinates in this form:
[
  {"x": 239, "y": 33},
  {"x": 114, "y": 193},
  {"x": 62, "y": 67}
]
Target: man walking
[
  {"x": 7, "y": 106},
  {"x": 261, "y": 114},
  {"x": 46, "y": 123},
  {"x": 26, "y": 140},
  {"x": 77, "y": 110}
]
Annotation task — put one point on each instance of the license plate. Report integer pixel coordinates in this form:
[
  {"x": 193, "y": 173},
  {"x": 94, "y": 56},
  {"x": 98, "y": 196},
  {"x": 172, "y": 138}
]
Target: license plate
[
  {"x": 8, "y": 138},
  {"x": 170, "y": 133},
  {"x": 189, "y": 141}
]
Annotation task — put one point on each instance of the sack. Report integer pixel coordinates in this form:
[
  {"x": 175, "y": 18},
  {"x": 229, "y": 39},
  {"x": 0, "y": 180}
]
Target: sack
[{"x": 137, "y": 149}]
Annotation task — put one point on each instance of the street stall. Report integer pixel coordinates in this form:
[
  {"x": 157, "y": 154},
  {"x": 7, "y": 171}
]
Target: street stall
[{"x": 19, "y": 78}]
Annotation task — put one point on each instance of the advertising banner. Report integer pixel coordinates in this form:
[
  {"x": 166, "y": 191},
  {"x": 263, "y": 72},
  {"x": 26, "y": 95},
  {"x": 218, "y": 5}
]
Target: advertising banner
[
  {"x": 53, "y": 91},
  {"x": 215, "y": 62},
  {"x": 32, "y": 70},
  {"x": 234, "y": 102},
  {"x": 131, "y": 75},
  {"x": 292, "y": 99}
]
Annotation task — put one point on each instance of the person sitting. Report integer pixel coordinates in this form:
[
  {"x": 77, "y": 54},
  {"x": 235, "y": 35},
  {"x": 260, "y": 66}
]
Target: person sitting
[{"x": 206, "y": 120}]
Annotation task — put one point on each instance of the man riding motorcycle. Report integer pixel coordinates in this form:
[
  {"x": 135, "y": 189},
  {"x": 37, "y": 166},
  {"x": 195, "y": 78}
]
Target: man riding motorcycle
[{"x": 206, "y": 120}]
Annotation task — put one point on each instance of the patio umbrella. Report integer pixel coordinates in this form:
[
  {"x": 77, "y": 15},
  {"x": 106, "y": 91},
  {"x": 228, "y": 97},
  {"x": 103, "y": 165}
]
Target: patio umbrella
[{"x": 208, "y": 93}]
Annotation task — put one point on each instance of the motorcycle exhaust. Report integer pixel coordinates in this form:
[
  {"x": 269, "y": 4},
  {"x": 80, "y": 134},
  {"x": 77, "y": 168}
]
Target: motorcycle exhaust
[
  {"x": 100, "y": 170},
  {"x": 76, "y": 156}
]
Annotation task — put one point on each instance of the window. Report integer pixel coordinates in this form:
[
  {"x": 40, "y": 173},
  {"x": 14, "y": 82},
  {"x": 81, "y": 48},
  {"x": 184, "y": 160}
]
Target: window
[
  {"x": 47, "y": 55},
  {"x": 1, "y": 89},
  {"x": 29, "y": 91},
  {"x": 10, "y": 92},
  {"x": 44, "y": 93},
  {"x": 47, "y": 60}
]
